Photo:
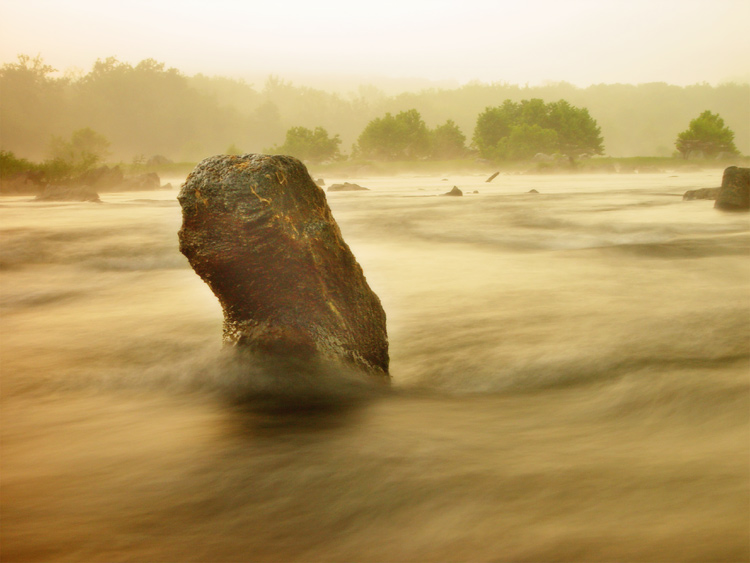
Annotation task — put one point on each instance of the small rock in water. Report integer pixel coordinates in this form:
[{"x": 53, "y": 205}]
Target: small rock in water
[
  {"x": 346, "y": 187},
  {"x": 454, "y": 192},
  {"x": 68, "y": 193},
  {"x": 734, "y": 194}
]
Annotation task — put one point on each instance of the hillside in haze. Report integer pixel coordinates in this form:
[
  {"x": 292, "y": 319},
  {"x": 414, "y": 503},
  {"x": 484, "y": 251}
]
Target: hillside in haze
[{"x": 147, "y": 109}]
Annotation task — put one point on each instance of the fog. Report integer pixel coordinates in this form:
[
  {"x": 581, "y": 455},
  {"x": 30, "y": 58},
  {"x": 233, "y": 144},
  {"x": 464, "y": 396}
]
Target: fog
[
  {"x": 243, "y": 74},
  {"x": 580, "y": 41},
  {"x": 147, "y": 108},
  {"x": 569, "y": 352},
  {"x": 569, "y": 383}
]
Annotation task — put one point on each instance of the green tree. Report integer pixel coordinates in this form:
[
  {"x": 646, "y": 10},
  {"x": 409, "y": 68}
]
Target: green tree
[
  {"x": 32, "y": 105},
  {"x": 448, "y": 141},
  {"x": 577, "y": 131},
  {"x": 527, "y": 140},
  {"x": 516, "y": 131},
  {"x": 494, "y": 124},
  {"x": 313, "y": 145},
  {"x": 707, "y": 135},
  {"x": 401, "y": 137},
  {"x": 85, "y": 149}
]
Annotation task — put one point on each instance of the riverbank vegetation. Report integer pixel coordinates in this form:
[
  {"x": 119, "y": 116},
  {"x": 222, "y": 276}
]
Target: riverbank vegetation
[{"x": 147, "y": 110}]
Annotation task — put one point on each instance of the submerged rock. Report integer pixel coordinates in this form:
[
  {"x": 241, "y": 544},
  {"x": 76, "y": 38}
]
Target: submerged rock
[
  {"x": 734, "y": 194},
  {"x": 68, "y": 193},
  {"x": 701, "y": 193},
  {"x": 346, "y": 187},
  {"x": 259, "y": 232},
  {"x": 454, "y": 192}
]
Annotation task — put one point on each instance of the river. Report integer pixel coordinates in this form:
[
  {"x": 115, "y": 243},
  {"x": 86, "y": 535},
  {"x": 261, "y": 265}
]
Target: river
[{"x": 571, "y": 382}]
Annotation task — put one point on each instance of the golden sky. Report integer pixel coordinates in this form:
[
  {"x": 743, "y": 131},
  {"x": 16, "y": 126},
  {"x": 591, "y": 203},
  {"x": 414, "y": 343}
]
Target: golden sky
[{"x": 520, "y": 41}]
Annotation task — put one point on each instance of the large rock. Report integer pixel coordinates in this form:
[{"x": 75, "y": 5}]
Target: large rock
[
  {"x": 260, "y": 233},
  {"x": 734, "y": 194}
]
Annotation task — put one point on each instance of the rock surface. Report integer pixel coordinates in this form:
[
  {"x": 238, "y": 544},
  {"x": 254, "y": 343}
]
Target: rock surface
[
  {"x": 67, "y": 193},
  {"x": 259, "y": 232},
  {"x": 454, "y": 192},
  {"x": 701, "y": 193},
  {"x": 734, "y": 194}
]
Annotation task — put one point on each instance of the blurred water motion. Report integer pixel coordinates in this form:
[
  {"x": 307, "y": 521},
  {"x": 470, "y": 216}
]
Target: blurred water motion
[{"x": 570, "y": 383}]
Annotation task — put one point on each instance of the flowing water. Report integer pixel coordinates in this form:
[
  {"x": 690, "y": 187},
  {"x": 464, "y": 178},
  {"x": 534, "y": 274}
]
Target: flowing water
[{"x": 571, "y": 382}]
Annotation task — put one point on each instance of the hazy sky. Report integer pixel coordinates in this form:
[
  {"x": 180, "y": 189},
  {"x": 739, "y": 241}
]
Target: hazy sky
[{"x": 519, "y": 41}]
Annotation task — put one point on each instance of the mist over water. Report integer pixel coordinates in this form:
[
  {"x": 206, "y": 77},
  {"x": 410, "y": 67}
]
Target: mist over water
[{"x": 571, "y": 382}]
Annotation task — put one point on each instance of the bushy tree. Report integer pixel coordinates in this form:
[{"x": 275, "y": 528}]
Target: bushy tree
[
  {"x": 313, "y": 145},
  {"x": 85, "y": 149},
  {"x": 516, "y": 131},
  {"x": 707, "y": 135},
  {"x": 524, "y": 141},
  {"x": 32, "y": 104},
  {"x": 447, "y": 141},
  {"x": 401, "y": 137}
]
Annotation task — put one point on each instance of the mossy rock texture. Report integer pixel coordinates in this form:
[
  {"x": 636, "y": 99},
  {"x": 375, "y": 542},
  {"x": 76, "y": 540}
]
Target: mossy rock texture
[{"x": 258, "y": 230}]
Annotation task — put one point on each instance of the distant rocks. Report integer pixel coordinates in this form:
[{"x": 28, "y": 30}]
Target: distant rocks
[
  {"x": 701, "y": 193},
  {"x": 346, "y": 187},
  {"x": 141, "y": 182},
  {"x": 260, "y": 233},
  {"x": 22, "y": 183},
  {"x": 68, "y": 193},
  {"x": 734, "y": 193},
  {"x": 320, "y": 182},
  {"x": 158, "y": 160},
  {"x": 542, "y": 157},
  {"x": 106, "y": 179},
  {"x": 96, "y": 180},
  {"x": 454, "y": 192},
  {"x": 103, "y": 178}
]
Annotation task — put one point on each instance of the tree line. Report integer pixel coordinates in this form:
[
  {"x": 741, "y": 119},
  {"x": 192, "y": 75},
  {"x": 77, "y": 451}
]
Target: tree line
[{"x": 148, "y": 109}]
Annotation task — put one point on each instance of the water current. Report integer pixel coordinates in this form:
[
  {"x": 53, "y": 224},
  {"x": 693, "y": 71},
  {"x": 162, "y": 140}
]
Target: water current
[{"x": 571, "y": 382}]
